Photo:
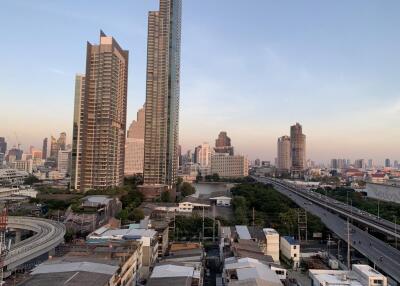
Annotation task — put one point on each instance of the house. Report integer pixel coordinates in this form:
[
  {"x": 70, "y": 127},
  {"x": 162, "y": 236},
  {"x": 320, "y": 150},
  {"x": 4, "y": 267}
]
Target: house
[
  {"x": 290, "y": 250},
  {"x": 221, "y": 201}
]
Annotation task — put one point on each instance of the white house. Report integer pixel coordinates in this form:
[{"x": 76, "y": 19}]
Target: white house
[
  {"x": 290, "y": 249},
  {"x": 222, "y": 201}
]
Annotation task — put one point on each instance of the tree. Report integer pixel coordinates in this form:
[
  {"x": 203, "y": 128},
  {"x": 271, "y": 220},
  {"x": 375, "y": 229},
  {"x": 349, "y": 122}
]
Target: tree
[
  {"x": 187, "y": 189},
  {"x": 31, "y": 180},
  {"x": 215, "y": 177},
  {"x": 166, "y": 197},
  {"x": 179, "y": 181},
  {"x": 136, "y": 215}
]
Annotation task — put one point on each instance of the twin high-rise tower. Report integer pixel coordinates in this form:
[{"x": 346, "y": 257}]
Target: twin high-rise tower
[
  {"x": 162, "y": 94},
  {"x": 98, "y": 152}
]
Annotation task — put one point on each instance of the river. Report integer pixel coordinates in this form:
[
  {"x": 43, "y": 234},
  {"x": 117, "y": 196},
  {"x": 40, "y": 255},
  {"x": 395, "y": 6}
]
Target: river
[{"x": 204, "y": 190}]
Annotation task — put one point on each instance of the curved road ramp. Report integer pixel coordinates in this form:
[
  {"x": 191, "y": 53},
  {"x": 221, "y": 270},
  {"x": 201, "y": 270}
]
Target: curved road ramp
[{"x": 48, "y": 234}]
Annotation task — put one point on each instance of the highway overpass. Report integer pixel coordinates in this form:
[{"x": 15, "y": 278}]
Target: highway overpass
[
  {"x": 47, "y": 235},
  {"x": 384, "y": 256}
]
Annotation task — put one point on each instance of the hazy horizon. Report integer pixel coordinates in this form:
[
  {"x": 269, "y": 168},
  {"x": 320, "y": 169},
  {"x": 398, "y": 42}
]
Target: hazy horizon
[{"x": 331, "y": 66}]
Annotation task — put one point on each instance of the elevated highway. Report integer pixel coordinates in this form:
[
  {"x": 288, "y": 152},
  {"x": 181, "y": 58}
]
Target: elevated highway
[
  {"x": 47, "y": 235},
  {"x": 384, "y": 256}
]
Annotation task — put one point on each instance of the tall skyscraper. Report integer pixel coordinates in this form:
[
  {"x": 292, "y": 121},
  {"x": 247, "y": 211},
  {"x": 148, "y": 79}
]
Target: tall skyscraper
[
  {"x": 3, "y": 145},
  {"x": 370, "y": 163},
  {"x": 387, "y": 163},
  {"x": 103, "y": 121},
  {"x": 162, "y": 94},
  {"x": 77, "y": 131},
  {"x": 223, "y": 144},
  {"x": 297, "y": 149},
  {"x": 44, "y": 149},
  {"x": 283, "y": 158},
  {"x": 134, "y": 147}
]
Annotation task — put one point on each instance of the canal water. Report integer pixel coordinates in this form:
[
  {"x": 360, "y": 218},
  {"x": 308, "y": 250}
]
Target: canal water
[{"x": 204, "y": 190}]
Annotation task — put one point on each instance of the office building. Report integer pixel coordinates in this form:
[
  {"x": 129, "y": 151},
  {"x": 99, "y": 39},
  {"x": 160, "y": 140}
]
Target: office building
[
  {"x": 162, "y": 95},
  {"x": 64, "y": 162},
  {"x": 297, "y": 149},
  {"x": 223, "y": 144},
  {"x": 134, "y": 147},
  {"x": 283, "y": 159},
  {"x": 387, "y": 163},
  {"x": 62, "y": 141},
  {"x": 53, "y": 147},
  {"x": 44, "y": 149},
  {"x": 203, "y": 155},
  {"x": 2, "y": 159},
  {"x": 23, "y": 165},
  {"x": 370, "y": 164},
  {"x": 14, "y": 154},
  {"x": 359, "y": 164},
  {"x": 3, "y": 145},
  {"x": 227, "y": 166},
  {"x": 100, "y": 119}
]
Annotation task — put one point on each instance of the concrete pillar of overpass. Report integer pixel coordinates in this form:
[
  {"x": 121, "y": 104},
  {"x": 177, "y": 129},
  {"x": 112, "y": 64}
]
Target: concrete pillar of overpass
[{"x": 18, "y": 234}]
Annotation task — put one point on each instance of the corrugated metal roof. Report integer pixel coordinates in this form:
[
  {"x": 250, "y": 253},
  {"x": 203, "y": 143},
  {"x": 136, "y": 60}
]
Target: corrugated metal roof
[
  {"x": 243, "y": 232},
  {"x": 75, "y": 266}
]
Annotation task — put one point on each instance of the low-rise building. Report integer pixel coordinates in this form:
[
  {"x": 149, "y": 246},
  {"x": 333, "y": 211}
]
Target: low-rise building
[
  {"x": 290, "y": 250},
  {"x": 227, "y": 166},
  {"x": 107, "y": 264},
  {"x": 176, "y": 275},
  {"x": 148, "y": 237},
  {"x": 12, "y": 177},
  {"x": 221, "y": 200},
  {"x": 249, "y": 271},
  {"x": 361, "y": 275},
  {"x": 271, "y": 243}
]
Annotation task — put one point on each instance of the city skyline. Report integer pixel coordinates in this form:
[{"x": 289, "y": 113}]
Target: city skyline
[{"x": 345, "y": 87}]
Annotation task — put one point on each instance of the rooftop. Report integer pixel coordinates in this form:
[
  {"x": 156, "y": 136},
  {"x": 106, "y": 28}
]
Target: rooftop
[
  {"x": 270, "y": 231},
  {"x": 291, "y": 240},
  {"x": 243, "y": 232}
]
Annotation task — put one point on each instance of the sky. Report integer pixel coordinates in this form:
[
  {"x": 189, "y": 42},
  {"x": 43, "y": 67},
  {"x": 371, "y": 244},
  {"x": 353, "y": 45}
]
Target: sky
[{"x": 251, "y": 68}]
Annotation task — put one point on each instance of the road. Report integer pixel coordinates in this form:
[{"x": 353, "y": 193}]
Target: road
[
  {"x": 48, "y": 234},
  {"x": 381, "y": 254},
  {"x": 382, "y": 225}
]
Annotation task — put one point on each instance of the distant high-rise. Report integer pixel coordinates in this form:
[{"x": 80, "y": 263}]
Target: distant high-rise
[
  {"x": 44, "y": 149},
  {"x": 53, "y": 148},
  {"x": 203, "y": 155},
  {"x": 387, "y": 163},
  {"x": 3, "y": 145},
  {"x": 370, "y": 163},
  {"x": 162, "y": 94},
  {"x": 99, "y": 132},
  {"x": 77, "y": 131},
  {"x": 283, "y": 159},
  {"x": 62, "y": 141},
  {"x": 134, "y": 147},
  {"x": 223, "y": 144},
  {"x": 297, "y": 148},
  {"x": 359, "y": 163}
]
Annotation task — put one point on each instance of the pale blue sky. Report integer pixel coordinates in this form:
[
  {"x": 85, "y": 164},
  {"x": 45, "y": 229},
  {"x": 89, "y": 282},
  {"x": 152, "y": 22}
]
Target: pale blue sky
[{"x": 251, "y": 68}]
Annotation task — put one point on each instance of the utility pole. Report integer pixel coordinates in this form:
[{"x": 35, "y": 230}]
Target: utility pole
[
  {"x": 203, "y": 225},
  {"x": 213, "y": 222},
  {"x": 348, "y": 245},
  {"x": 395, "y": 231},
  {"x": 378, "y": 210},
  {"x": 253, "y": 218}
]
